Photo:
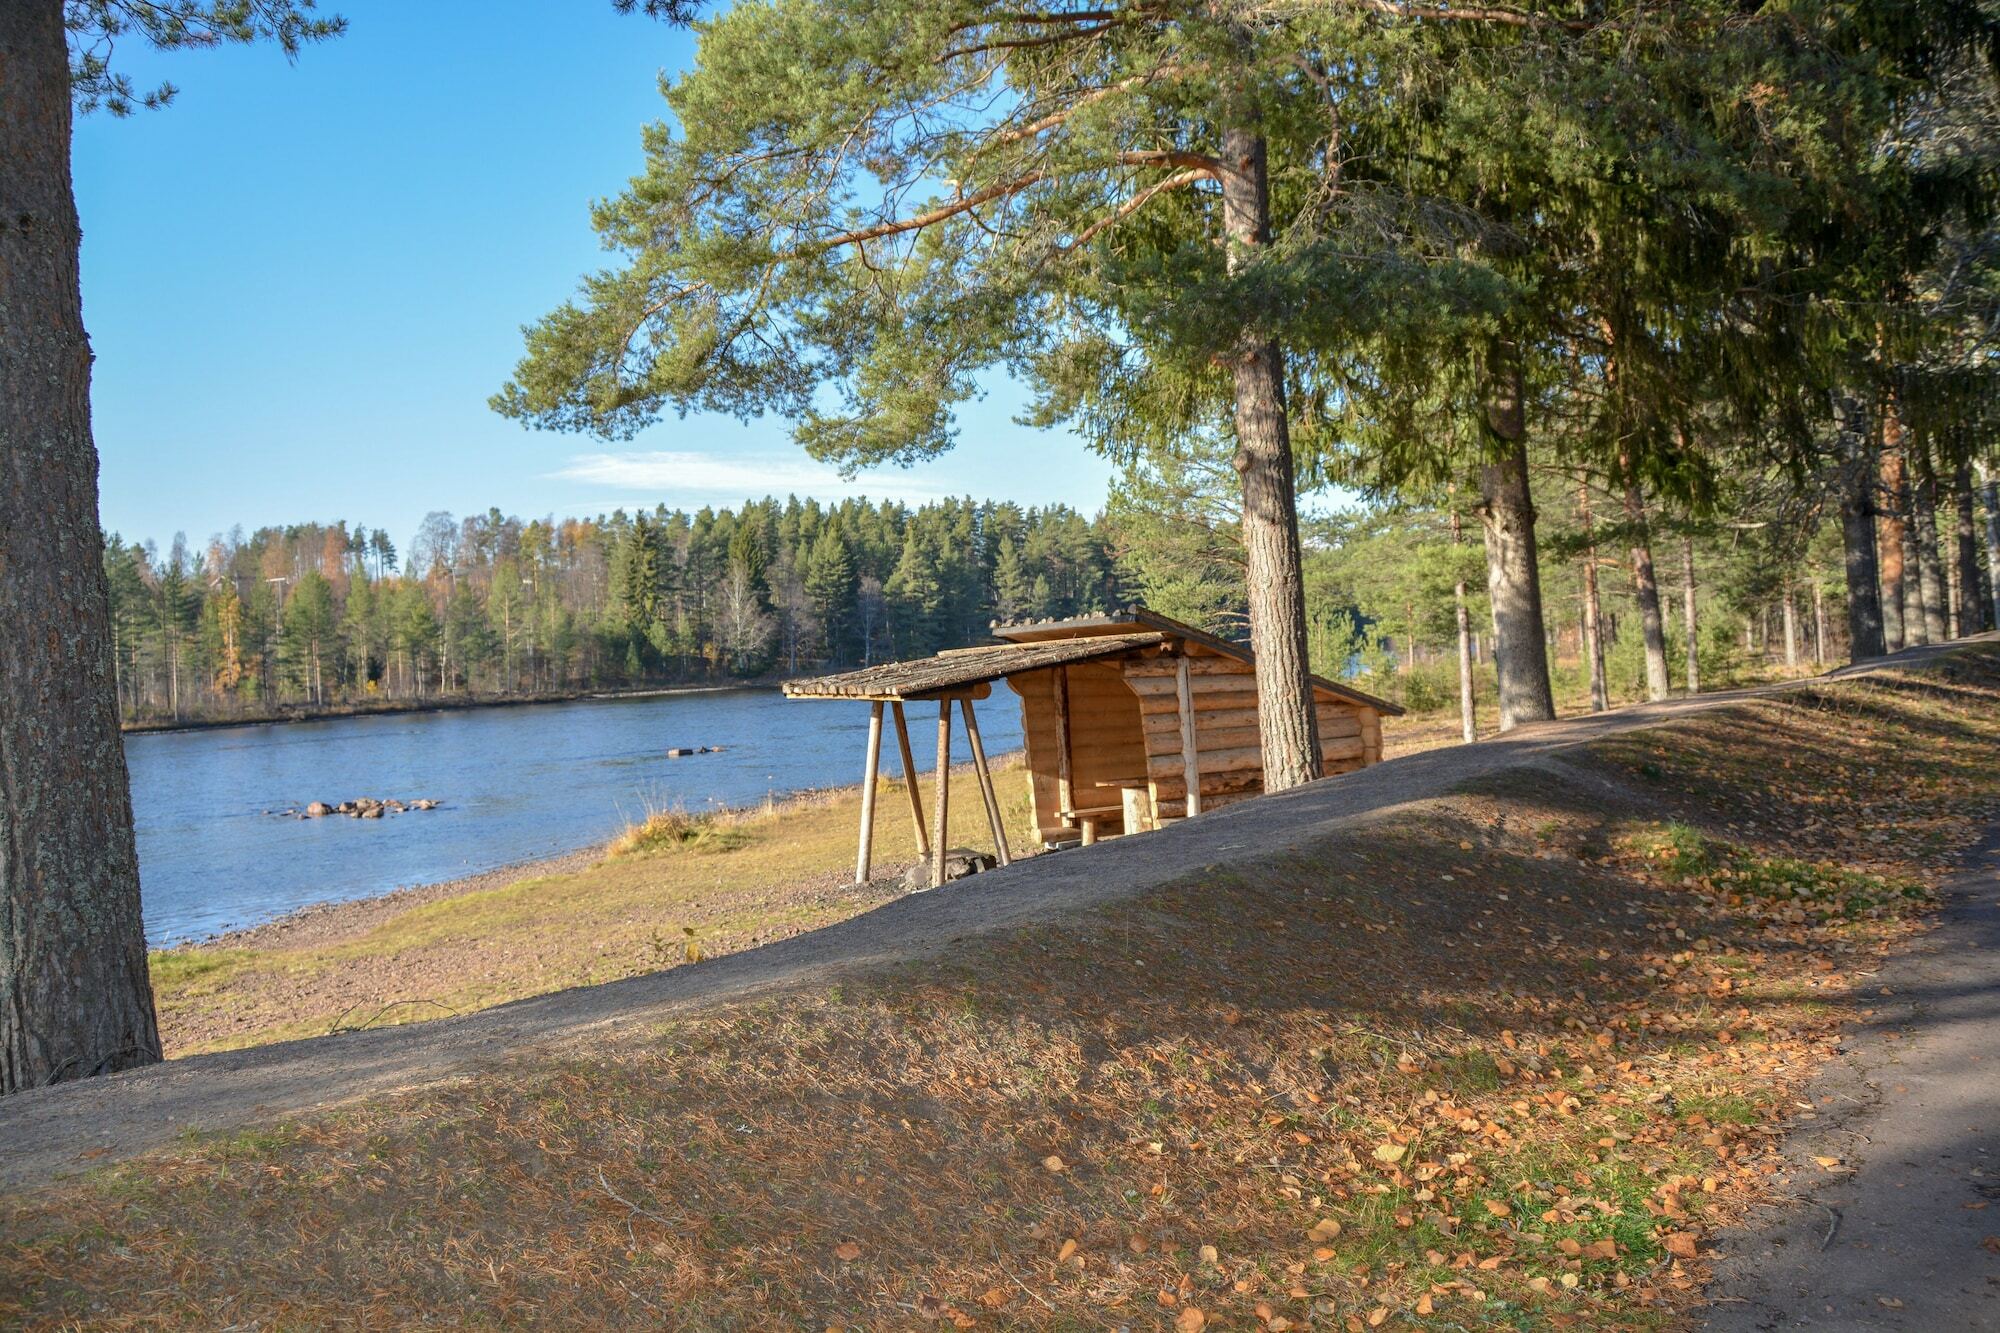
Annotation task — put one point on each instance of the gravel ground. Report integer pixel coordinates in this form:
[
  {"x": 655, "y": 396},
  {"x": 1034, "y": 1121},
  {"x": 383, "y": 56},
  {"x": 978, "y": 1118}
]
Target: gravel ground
[{"x": 1896, "y": 1223}]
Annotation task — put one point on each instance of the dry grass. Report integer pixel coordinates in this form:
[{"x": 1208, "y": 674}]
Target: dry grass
[
  {"x": 1500, "y": 1062},
  {"x": 671, "y": 887}
]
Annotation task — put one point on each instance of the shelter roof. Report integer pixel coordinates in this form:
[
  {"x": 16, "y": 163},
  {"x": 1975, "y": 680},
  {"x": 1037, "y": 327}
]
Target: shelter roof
[
  {"x": 1138, "y": 619},
  {"x": 927, "y": 677}
]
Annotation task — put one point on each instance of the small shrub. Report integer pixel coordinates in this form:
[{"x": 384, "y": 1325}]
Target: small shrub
[{"x": 679, "y": 831}]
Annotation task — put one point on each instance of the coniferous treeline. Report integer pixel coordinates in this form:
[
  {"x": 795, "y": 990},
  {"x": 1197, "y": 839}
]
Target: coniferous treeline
[{"x": 328, "y": 616}]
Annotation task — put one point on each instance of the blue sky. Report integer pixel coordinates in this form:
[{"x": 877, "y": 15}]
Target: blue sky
[{"x": 302, "y": 282}]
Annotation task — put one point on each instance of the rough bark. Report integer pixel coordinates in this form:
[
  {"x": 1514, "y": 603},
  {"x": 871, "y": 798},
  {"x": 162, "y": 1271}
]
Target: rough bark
[
  {"x": 1989, "y": 494},
  {"x": 1930, "y": 569},
  {"x": 1287, "y": 726},
  {"x": 1890, "y": 534},
  {"x": 1468, "y": 718},
  {"x": 1646, "y": 590},
  {"x": 75, "y": 999},
  {"x": 1857, "y": 531},
  {"x": 1688, "y": 622},
  {"x": 1513, "y": 578},
  {"x": 1593, "y": 619},
  {"x": 1819, "y": 623},
  {"x": 1965, "y": 525}
]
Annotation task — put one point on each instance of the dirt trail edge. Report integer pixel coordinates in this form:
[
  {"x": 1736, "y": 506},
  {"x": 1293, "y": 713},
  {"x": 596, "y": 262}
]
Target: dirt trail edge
[
  {"x": 1897, "y": 1225},
  {"x": 68, "y": 1127}
]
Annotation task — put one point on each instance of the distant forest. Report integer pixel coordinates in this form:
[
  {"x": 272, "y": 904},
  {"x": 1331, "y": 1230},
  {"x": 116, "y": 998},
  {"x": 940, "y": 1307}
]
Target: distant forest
[{"x": 324, "y": 616}]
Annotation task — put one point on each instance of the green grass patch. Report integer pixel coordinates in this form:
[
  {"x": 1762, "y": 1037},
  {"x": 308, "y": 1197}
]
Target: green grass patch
[{"x": 195, "y": 971}]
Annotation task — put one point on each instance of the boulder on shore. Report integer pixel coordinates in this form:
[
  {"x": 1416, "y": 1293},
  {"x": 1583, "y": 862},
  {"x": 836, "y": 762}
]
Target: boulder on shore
[{"x": 959, "y": 862}]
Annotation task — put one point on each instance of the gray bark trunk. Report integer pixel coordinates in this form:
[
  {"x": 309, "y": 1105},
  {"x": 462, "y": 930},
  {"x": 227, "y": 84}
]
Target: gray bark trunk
[
  {"x": 1646, "y": 590},
  {"x": 1468, "y": 719},
  {"x": 1287, "y": 727},
  {"x": 1791, "y": 615},
  {"x": 1989, "y": 493},
  {"x": 1688, "y": 622},
  {"x": 1965, "y": 529},
  {"x": 1513, "y": 580},
  {"x": 1930, "y": 569},
  {"x": 1819, "y": 623},
  {"x": 75, "y": 999},
  {"x": 1593, "y": 617},
  {"x": 1857, "y": 531}
]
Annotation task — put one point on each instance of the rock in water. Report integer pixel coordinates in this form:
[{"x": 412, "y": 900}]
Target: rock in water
[
  {"x": 958, "y": 863},
  {"x": 317, "y": 809}
]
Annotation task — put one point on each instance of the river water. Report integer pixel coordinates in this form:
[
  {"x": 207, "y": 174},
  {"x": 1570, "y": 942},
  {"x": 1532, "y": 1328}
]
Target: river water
[{"x": 516, "y": 783}]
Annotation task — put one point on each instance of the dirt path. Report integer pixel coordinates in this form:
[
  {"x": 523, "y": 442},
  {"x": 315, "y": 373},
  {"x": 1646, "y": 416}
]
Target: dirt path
[
  {"x": 1898, "y": 1175},
  {"x": 74, "y": 1125}
]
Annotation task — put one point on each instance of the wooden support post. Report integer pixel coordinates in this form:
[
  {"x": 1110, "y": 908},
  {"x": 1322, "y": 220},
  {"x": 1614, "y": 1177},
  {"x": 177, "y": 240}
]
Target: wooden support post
[
  {"x": 863, "y": 856},
  {"x": 1065, "y": 788},
  {"x": 941, "y": 842},
  {"x": 1190, "y": 748},
  {"x": 1136, "y": 808},
  {"x": 985, "y": 782},
  {"x": 910, "y": 779}
]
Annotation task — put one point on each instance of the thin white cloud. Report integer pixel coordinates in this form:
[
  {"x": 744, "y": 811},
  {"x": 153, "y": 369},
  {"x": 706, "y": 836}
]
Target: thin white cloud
[{"x": 667, "y": 474}]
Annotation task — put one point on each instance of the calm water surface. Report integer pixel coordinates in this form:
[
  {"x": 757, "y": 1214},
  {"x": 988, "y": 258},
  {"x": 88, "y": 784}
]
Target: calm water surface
[{"x": 516, "y": 783}]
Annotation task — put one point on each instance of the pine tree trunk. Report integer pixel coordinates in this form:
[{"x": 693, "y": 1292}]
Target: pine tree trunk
[
  {"x": 1989, "y": 493},
  {"x": 1468, "y": 720},
  {"x": 1513, "y": 581},
  {"x": 1593, "y": 618},
  {"x": 1890, "y": 532},
  {"x": 1287, "y": 725},
  {"x": 1930, "y": 569},
  {"x": 1791, "y": 615},
  {"x": 1865, "y": 637},
  {"x": 1965, "y": 525},
  {"x": 75, "y": 999},
  {"x": 1646, "y": 589},
  {"x": 1819, "y": 623},
  {"x": 1688, "y": 622}
]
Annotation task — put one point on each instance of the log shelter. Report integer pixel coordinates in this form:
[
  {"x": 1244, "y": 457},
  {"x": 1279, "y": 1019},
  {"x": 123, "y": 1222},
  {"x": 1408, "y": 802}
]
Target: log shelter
[{"x": 1130, "y": 720}]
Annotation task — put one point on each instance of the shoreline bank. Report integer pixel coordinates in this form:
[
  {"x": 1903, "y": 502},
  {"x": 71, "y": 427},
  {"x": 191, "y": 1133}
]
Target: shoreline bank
[
  {"x": 674, "y": 892},
  {"x": 447, "y": 704}
]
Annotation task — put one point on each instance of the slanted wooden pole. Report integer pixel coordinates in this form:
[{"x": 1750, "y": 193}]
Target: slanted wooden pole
[
  {"x": 1065, "y": 788},
  {"x": 985, "y": 782},
  {"x": 910, "y": 778},
  {"x": 1190, "y": 748},
  {"x": 868, "y": 780},
  {"x": 940, "y": 842}
]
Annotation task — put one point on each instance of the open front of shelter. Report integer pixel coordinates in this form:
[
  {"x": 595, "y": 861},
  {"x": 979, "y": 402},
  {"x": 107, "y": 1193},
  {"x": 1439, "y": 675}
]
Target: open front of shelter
[{"x": 1130, "y": 720}]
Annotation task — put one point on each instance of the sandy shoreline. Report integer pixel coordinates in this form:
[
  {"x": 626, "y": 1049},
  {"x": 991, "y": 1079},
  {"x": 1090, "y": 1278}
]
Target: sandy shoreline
[{"x": 348, "y": 918}]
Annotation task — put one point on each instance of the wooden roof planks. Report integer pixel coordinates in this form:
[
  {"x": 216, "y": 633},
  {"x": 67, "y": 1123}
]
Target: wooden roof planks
[{"x": 964, "y": 668}]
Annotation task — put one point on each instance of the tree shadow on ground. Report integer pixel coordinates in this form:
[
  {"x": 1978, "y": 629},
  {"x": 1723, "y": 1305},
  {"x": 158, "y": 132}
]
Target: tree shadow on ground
[{"x": 1468, "y": 1032}]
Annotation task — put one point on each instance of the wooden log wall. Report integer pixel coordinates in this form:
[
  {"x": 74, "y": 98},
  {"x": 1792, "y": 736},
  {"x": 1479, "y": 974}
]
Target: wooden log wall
[
  {"x": 1124, "y": 724},
  {"x": 1106, "y": 741},
  {"x": 1230, "y": 760}
]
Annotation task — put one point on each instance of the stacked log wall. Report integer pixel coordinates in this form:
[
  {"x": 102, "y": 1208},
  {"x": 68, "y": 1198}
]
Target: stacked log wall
[
  {"x": 1124, "y": 721},
  {"x": 1106, "y": 740},
  {"x": 1230, "y": 762}
]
